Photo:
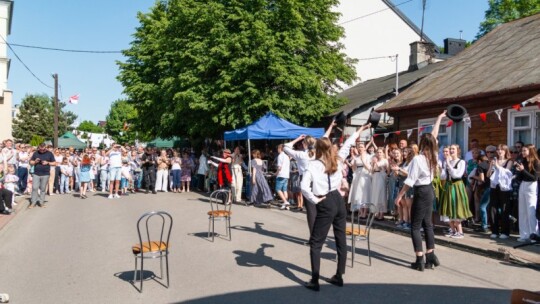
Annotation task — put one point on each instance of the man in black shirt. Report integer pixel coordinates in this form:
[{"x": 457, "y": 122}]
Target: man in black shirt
[
  {"x": 42, "y": 160},
  {"x": 149, "y": 169}
]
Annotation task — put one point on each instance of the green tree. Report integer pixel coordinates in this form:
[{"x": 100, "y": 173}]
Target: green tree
[
  {"x": 88, "y": 126},
  {"x": 203, "y": 66},
  {"x": 36, "y": 117},
  {"x": 120, "y": 122},
  {"x": 502, "y": 11}
]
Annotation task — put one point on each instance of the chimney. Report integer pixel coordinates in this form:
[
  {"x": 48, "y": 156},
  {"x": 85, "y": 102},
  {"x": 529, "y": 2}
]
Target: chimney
[
  {"x": 422, "y": 53},
  {"x": 453, "y": 46}
]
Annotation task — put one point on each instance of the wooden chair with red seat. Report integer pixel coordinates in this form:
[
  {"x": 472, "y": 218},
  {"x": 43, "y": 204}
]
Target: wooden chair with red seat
[
  {"x": 220, "y": 210},
  {"x": 154, "y": 229},
  {"x": 357, "y": 230}
]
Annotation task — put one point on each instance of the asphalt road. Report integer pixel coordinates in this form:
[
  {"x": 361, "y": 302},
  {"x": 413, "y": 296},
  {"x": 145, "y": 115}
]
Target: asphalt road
[{"x": 79, "y": 251}]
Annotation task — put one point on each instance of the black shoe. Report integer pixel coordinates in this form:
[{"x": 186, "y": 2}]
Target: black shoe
[
  {"x": 154, "y": 192},
  {"x": 5, "y": 212},
  {"x": 335, "y": 280},
  {"x": 432, "y": 260},
  {"x": 313, "y": 285},
  {"x": 146, "y": 191},
  {"x": 419, "y": 264}
]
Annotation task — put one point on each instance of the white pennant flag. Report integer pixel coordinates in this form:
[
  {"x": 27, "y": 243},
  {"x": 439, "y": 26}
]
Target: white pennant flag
[
  {"x": 386, "y": 136},
  {"x": 409, "y": 132},
  {"x": 74, "y": 99},
  {"x": 467, "y": 121},
  {"x": 499, "y": 112},
  {"x": 523, "y": 104}
]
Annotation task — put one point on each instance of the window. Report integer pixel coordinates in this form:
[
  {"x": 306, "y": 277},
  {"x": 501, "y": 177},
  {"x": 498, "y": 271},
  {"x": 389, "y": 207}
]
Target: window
[{"x": 523, "y": 125}]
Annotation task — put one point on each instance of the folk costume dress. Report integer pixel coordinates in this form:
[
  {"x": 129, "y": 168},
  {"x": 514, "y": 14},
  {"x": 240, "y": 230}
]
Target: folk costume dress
[
  {"x": 360, "y": 190},
  {"x": 378, "y": 186},
  {"x": 454, "y": 201}
]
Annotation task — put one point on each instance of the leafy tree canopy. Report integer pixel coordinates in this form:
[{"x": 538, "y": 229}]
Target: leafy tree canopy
[
  {"x": 203, "y": 66},
  {"x": 120, "y": 120},
  {"x": 502, "y": 11},
  {"x": 36, "y": 117},
  {"x": 88, "y": 126}
]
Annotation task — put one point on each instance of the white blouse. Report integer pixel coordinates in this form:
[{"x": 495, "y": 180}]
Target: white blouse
[
  {"x": 419, "y": 173},
  {"x": 315, "y": 183},
  {"x": 302, "y": 157},
  {"x": 455, "y": 170}
]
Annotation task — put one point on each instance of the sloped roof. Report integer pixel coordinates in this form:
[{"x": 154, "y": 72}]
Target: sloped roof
[
  {"x": 371, "y": 90},
  {"x": 505, "y": 60}
]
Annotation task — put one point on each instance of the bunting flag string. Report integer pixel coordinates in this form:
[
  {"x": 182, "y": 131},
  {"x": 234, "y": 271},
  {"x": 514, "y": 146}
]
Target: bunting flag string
[
  {"x": 499, "y": 112},
  {"x": 466, "y": 119}
]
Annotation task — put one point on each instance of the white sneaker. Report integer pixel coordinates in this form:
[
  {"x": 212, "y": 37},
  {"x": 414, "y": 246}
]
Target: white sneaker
[
  {"x": 493, "y": 236},
  {"x": 503, "y": 236},
  {"x": 457, "y": 235},
  {"x": 4, "y": 298},
  {"x": 110, "y": 196},
  {"x": 285, "y": 206},
  {"x": 116, "y": 195}
]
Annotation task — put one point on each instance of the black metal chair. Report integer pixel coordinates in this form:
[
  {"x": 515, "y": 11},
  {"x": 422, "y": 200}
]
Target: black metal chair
[
  {"x": 153, "y": 243},
  {"x": 358, "y": 231},
  {"x": 220, "y": 211}
]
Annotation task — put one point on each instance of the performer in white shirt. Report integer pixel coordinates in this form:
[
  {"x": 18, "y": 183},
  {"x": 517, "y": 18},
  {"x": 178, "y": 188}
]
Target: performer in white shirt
[
  {"x": 320, "y": 184},
  {"x": 422, "y": 170}
]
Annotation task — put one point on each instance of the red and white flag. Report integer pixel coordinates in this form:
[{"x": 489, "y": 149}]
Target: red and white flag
[{"x": 74, "y": 99}]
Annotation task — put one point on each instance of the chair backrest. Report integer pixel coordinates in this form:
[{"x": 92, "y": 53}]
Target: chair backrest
[
  {"x": 158, "y": 230},
  {"x": 372, "y": 211},
  {"x": 219, "y": 199}
]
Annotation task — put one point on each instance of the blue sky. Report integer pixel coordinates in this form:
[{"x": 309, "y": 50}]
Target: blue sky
[{"x": 105, "y": 25}]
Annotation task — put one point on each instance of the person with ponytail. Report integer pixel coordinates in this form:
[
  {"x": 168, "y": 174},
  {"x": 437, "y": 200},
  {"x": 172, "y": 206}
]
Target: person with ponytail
[
  {"x": 320, "y": 184},
  {"x": 421, "y": 172}
]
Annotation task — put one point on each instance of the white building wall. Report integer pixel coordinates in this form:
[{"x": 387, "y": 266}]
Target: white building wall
[
  {"x": 6, "y": 98},
  {"x": 383, "y": 33}
]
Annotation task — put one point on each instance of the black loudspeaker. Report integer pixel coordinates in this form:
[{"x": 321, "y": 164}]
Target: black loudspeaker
[
  {"x": 455, "y": 112},
  {"x": 374, "y": 119}
]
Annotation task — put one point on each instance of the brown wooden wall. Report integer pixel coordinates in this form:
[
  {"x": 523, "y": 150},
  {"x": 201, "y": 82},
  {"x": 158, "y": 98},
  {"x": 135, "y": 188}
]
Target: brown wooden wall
[{"x": 490, "y": 132}]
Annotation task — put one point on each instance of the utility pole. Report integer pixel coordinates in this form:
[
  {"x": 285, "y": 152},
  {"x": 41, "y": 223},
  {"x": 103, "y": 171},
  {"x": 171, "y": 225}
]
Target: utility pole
[{"x": 55, "y": 139}]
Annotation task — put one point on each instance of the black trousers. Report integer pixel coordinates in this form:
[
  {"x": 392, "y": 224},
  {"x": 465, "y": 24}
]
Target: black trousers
[
  {"x": 421, "y": 211},
  {"x": 499, "y": 209},
  {"x": 311, "y": 212},
  {"x": 331, "y": 211},
  {"x": 149, "y": 176},
  {"x": 6, "y": 197}
]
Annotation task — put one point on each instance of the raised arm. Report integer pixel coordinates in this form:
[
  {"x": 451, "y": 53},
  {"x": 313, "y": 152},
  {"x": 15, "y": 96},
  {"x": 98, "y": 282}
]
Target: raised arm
[
  {"x": 435, "y": 131},
  {"x": 345, "y": 149},
  {"x": 329, "y": 130}
]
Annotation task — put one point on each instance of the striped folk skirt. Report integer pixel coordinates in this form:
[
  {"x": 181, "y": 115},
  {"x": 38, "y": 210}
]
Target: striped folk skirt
[{"x": 454, "y": 202}]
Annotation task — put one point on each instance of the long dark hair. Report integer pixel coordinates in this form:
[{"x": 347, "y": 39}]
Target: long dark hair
[{"x": 430, "y": 148}]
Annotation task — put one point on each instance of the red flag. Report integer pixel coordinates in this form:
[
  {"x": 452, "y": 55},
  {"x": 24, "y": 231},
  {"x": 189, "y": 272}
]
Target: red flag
[
  {"x": 483, "y": 116},
  {"x": 375, "y": 135},
  {"x": 449, "y": 123},
  {"x": 516, "y": 107},
  {"x": 421, "y": 129},
  {"x": 74, "y": 99},
  {"x": 397, "y": 132}
]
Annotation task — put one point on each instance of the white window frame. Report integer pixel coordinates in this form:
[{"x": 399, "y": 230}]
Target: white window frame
[
  {"x": 531, "y": 112},
  {"x": 448, "y": 133}
]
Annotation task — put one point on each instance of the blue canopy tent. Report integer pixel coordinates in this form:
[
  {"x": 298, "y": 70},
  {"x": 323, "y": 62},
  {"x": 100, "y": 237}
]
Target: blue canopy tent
[{"x": 270, "y": 126}]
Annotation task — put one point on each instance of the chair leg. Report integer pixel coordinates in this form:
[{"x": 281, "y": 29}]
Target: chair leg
[
  {"x": 167, "y": 267},
  {"x": 230, "y": 231},
  {"x": 353, "y": 246},
  {"x": 141, "y": 273},
  {"x": 213, "y": 228},
  {"x": 369, "y": 251},
  {"x": 161, "y": 266},
  {"x": 209, "y": 221},
  {"x": 135, "y": 272}
]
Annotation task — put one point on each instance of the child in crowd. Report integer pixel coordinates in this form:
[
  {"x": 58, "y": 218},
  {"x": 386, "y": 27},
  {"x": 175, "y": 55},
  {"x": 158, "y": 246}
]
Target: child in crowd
[
  {"x": 126, "y": 176},
  {"x": 211, "y": 179},
  {"x": 66, "y": 171},
  {"x": 10, "y": 182}
]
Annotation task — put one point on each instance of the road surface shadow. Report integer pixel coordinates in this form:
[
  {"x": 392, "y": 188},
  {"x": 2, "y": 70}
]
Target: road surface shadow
[
  {"x": 260, "y": 259},
  {"x": 260, "y": 230},
  {"x": 365, "y": 294}
]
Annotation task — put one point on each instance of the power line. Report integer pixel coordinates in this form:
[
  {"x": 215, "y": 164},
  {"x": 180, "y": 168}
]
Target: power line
[
  {"x": 24, "y": 64},
  {"x": 380, "y": 11},
  {"x": 381, "y": 57},
  {"x": 65, "y": 50}
]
